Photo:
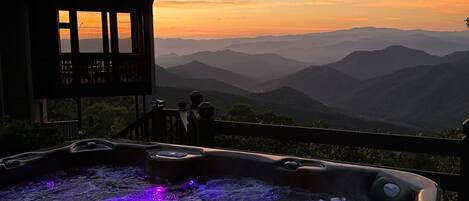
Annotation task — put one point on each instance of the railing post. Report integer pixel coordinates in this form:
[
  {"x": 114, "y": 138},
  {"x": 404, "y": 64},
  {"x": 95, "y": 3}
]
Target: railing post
[
  {"x": 206, "y": 132},
  {"x": 193, "y": 117},
  {"x": 464, "y": 170},
  {"x": 158, "y": 122},
  {"x": 181, "y": 122}
]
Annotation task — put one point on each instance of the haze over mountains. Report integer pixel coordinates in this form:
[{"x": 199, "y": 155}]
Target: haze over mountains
[
  {"x": 199, "y": 70},
  {"x": 405, "y": 78},
  {"x": 326, "y": 47},
  {"x": 396, "y": 84},
  {"x": 303, "y": 109},
  {"x": 261, "y": 67},
  {"x": 167, "y": 79},
  {"x": 430, "y": 97},
  {"x": 284, "y": 100}
]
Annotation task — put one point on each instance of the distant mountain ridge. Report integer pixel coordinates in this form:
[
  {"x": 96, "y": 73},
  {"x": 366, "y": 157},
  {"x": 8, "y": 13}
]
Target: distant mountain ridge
[
  {"x": 432, "y": 94},
  {"x": 431, "y": 97},
  {"x": 168, "y": 79},
  {"x": 285, "y": 100},
  {"x": 325, "y": 47},
  {"x": 370, "y": 64},
  {"x": 302, "y": 112},
  {"x": 260, "y": 67},
  {"x": 197, "y": 70},
  {"x": 319, "y": 82}
]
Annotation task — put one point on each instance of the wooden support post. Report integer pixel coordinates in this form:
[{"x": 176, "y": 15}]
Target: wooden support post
[
  {"x": 158, "y": 122},
  {"x": 154, "y": 123},
  {"x": 144, "y": 104},
  {"x": 206, "y": 132},
  {"x": 2, "y": 99},
  {"x": 137, "y": 115},
  {"x": 464, "y": 171}
]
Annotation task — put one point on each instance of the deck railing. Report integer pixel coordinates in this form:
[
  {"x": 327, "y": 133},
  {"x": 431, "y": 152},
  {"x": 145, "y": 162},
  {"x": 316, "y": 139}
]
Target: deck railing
[
  {"x": 95, "y": 74},
  {"x": 159, "y": 125},
  {"x": 201, "y": 129},
  {"x": 95, "y": 68},
  {"x": 69, "y": 128}
]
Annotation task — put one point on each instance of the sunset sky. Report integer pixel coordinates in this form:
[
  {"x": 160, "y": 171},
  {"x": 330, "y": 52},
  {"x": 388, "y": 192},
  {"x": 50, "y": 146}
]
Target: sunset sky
[
  {"x": 203, "y": 19},
  {"x": 240, "y": 18}
]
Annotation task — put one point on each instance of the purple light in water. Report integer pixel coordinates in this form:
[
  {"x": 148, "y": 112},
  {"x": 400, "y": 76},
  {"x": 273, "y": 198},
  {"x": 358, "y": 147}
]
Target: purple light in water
[
  {"x": 50, "y": 184},
  {"x": 191, "y": 184},
  {"x": 160, "y": 189},
  {"x": 157, "y": 193}
]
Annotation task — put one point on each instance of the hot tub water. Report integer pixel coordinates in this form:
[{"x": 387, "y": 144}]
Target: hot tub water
[{"x": 131, "y": 184}]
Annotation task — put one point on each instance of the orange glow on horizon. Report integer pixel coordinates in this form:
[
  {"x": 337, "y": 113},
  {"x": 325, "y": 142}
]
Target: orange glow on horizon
[
  {"x": 247, "y": 18},
  {"x": 204, "y": 19}
]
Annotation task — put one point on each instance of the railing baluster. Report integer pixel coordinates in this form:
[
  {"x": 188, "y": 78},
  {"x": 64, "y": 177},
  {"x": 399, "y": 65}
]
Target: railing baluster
[
  {"x": 69, "y": 129},
  {"x": 170, "y": 129},
  {"x": 145, "y": 131},
  {"x": 464, "y": 169}
]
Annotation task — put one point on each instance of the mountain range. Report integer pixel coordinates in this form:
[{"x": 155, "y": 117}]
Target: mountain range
[
  {"x": 312, "y": 48},
  {"x": 401, "y": 85},
  {"x": 167, "y": 79},
  {"x": 430, "y": 97},
  {"x": 324, "y": 47},
  {"x": 199, "y": 70},
  {"x": 261, "y": 67},
  {"x": 286, "y": 101},
  {"x": 395, "y": 84}
]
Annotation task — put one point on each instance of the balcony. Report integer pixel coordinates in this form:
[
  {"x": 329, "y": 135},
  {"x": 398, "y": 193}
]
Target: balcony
[
  {"x": 97, "y": 75},
  {"x": 92, "y": 49}
]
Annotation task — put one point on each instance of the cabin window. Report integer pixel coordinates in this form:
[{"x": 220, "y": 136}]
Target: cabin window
[
  {"x": 90, "y": 32},
  {"x": 64, "y": 16},
  {"x": 124, "y": 30},
  {"x": 64, "y": 31},
  {"x": 65, "y": 46},
  {"x": 96, "y": 32}
]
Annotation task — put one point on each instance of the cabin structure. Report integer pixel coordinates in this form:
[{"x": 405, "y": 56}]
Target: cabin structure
[{"x": 73, "y": 49}]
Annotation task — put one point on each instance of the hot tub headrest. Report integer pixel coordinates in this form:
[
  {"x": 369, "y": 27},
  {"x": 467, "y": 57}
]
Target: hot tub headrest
[{"x": 388, "y": 189}]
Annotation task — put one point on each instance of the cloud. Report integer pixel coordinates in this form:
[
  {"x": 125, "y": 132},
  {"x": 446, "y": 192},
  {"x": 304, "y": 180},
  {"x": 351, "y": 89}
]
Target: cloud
[{"x": 440, "y": 5}]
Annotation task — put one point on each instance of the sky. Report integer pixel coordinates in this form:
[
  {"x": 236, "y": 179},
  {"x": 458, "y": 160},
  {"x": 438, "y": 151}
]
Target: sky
[{"x": 204, "y": 19}]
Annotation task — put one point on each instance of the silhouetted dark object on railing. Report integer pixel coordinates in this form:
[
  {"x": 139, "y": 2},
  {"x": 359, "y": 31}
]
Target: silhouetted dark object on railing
[
  {"x": 201, "y": 130},
  {"x": 69, "y": 129},
  {"x": 467, "y": 22}
]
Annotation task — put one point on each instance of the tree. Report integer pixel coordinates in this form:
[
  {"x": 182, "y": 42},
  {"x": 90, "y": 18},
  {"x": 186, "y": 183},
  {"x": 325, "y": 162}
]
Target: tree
[
  {"x": 244, "y": 113},
  {"x": 109, "y": 119},
  {"x": 241, "y": 113}
]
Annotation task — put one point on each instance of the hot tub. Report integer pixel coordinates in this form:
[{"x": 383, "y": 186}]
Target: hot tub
[{"x": 128, "y": 170}]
